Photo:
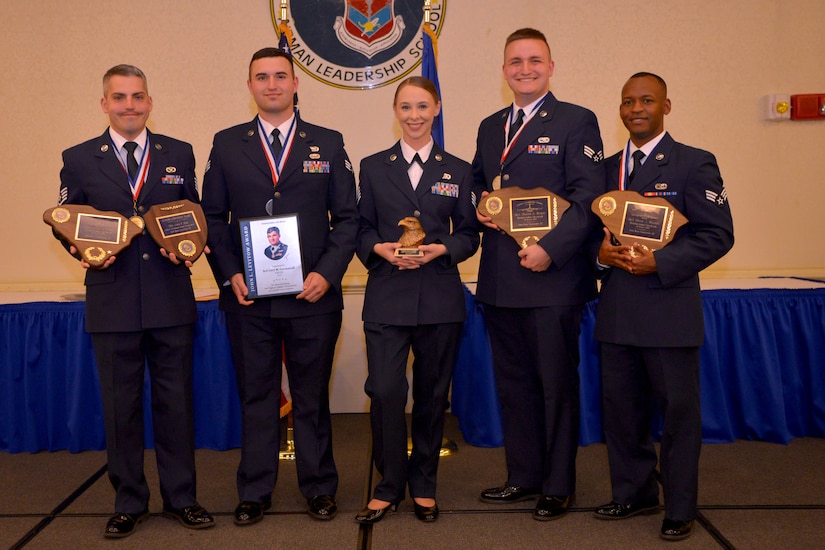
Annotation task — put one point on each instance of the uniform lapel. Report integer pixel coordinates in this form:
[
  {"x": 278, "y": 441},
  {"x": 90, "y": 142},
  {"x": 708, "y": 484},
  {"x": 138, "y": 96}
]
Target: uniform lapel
[
  {"x": 501, "y": 138},
  {"x": 397, "y": 173},
  {"x": 253, "y": 148},
  {"x": 650, "y": 172},
  {"x": 432, "y": 171},
  {"x": 109, "y": 163}
]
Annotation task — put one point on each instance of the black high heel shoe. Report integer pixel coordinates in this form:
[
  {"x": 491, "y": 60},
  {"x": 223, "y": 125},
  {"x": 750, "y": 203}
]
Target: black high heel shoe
[
  {"x": 369, "y": 516},
  {"x": 427, "y": 514}
]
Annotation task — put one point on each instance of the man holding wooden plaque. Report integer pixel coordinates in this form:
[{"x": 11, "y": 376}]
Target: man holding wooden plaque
[
  {"x": 649, "y": 319},
  {"x": 534, "y": 290},
  {"x": 140, "y": 306}
]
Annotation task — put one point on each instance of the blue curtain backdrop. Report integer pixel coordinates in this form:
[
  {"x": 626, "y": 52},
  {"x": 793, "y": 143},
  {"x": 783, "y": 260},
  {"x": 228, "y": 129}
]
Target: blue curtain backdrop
[
  {"x": 762, "y": 376},
  {"x": 762, "y": 373},
  {"x": 49, "y": 391}
]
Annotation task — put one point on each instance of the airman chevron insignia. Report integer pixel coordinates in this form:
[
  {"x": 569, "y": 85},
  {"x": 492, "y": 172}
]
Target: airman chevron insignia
[
  {"x": 595, "y": 156},
  {"x": 718, "y": 198}
]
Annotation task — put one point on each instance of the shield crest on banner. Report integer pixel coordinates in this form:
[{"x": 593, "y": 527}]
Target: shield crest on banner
[
  {"x": 357, "y": 44},
  {"x": 369, "y": 26}
]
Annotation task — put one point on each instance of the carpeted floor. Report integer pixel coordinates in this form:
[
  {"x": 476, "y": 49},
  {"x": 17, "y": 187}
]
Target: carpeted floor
[{"x": 752, "y": 495}]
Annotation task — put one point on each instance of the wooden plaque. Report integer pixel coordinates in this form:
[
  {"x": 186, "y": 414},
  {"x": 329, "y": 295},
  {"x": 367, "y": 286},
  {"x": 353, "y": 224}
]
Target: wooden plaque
[
  {"x": 179, "y": 227},
  {"x": 633, "y": 218},
  {"x": 526, "y": 215},
  {"x": 95, "y": 234}
]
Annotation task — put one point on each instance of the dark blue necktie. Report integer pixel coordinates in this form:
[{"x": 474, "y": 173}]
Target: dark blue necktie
[
  {"x": 131, "y": 161},
  {"x": 638, "y": 155},
  {"x": 515, "y": 125},
  {"x": 276, "y": 144}
]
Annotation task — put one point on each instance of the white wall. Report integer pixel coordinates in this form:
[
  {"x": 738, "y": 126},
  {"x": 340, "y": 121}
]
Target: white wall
[{"x": 719, "y": 59}]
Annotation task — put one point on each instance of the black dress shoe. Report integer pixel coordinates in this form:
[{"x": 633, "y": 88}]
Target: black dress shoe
[
  {"x": 507, "y": 493},
  {"x": 550, "y": 507},
  {"x": 369, "y": 516},
  {"x": 427, "y": 514},
  {"x": 614, "y": 510},
  {"x": 249, "y": 512},
  {"x": 191, "y": 517},
  {"x": 122, "y": 525},
  {"x": 322, "y": 507},
  {"x": 676, "y": 530}
]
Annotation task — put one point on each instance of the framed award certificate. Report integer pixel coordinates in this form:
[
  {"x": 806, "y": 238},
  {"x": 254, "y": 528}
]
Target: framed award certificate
[{"x": 271, "y": 250}]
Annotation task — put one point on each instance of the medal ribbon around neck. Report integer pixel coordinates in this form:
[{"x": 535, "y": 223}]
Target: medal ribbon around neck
[
  {"x": 624, "y": 167},
  {"x": 509, "y": 146},
  {"x": 143, "y": 167},
  {"x": 276, "y": 164}
]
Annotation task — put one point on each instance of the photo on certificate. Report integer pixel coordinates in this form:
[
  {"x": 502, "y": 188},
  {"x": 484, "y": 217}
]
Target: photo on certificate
[{"x": 272, "y": 256}]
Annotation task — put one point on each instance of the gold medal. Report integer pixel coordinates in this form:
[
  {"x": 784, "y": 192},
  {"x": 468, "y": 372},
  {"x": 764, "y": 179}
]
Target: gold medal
[
  {"x": 138, "y": 221},
  {"x": 496, "y": 183}
]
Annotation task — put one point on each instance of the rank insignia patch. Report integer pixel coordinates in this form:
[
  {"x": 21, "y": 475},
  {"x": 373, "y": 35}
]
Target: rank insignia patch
[
  {"x": 719, "y": 198},
  {"x": 595, "y": 156}
]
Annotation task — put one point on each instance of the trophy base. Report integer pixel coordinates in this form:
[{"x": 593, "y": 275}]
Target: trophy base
[
  {"x": 448, "y": 447},
  {"x": 287, "y": 451},
  {"x": 408, "y": 252}
]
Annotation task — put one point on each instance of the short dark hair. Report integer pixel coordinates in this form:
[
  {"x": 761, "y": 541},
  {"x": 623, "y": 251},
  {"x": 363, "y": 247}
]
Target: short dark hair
[
  {"x": 273, "y": 229},
  {"x": 419, "y": 82},
  {"x": 658, "y": 78},
  {"x": 124, "y": 70},
  {"x": 527, "y": 33},
  {"x": 270, "y": 52}
]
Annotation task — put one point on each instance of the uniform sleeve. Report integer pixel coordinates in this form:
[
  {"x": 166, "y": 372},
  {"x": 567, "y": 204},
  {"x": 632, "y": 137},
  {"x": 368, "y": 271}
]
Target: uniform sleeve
[
  {"x": 479, "y": 182},
  {"x": 343, "y": 214},
  {"x": 584, "y": 181},
  {"x": 71, "y": 192},
  {"x": 215, "y": 203},
  {"x": 191, "y": 187},
  {"x": 709, "y": 233},
  {"x": 463, "y": 241},
  {"x": 368, "y": 235}
]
